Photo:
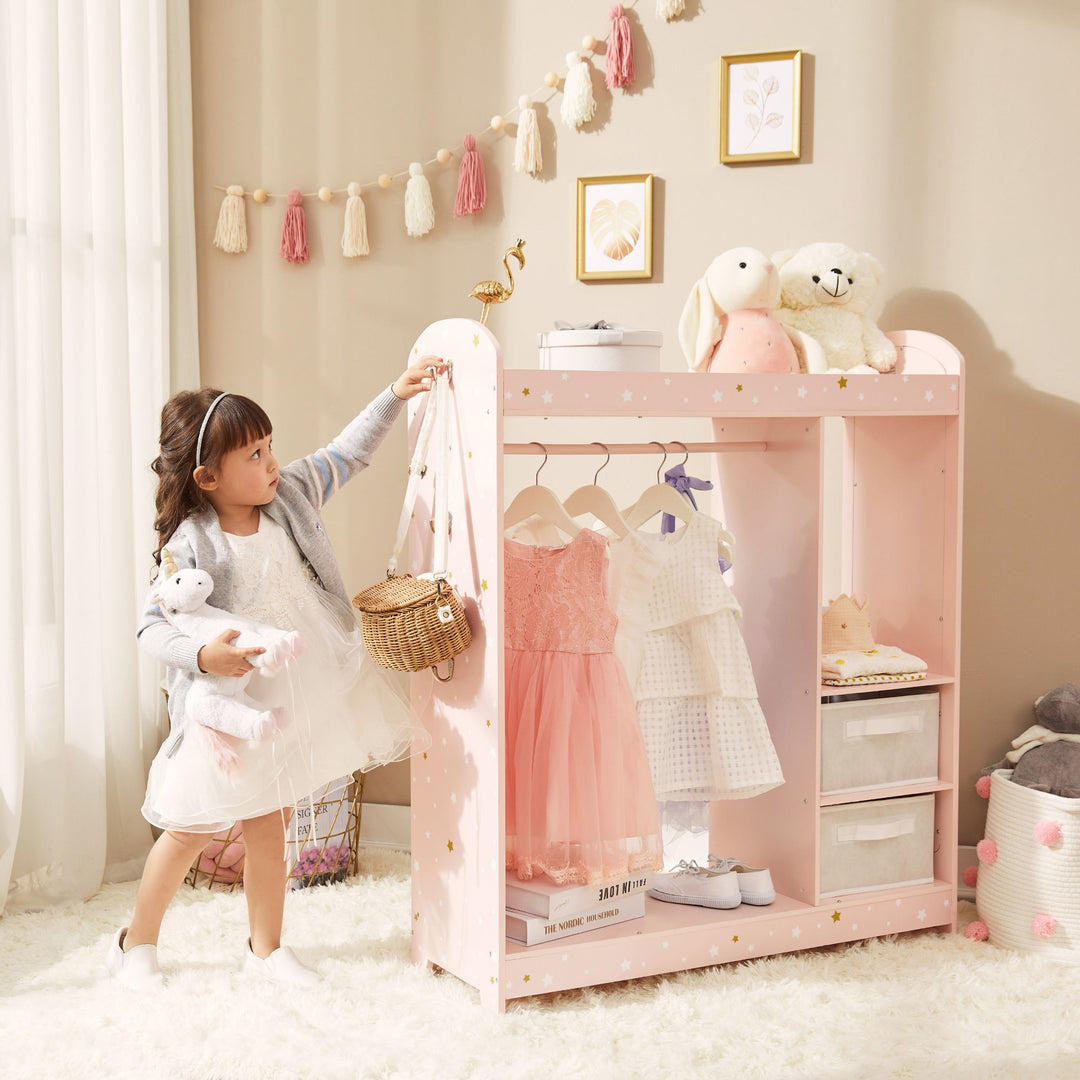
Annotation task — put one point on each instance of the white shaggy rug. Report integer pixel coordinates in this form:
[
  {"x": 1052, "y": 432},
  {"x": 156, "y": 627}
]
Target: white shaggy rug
[{"x": 921, "y": 1006}]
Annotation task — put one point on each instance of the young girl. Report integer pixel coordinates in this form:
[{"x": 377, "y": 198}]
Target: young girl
[{"x": 223, "y": 506}]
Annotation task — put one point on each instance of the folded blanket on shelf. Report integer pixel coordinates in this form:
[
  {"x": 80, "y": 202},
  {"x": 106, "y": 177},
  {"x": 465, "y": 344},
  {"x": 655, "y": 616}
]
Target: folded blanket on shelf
[{"x": 882, "y": 663}]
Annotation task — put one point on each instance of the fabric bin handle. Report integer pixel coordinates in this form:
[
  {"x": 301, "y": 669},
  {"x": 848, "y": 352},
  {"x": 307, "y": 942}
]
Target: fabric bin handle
[
  {"x": 862, "y": 831},
  {"x": 901, "y": 724}
]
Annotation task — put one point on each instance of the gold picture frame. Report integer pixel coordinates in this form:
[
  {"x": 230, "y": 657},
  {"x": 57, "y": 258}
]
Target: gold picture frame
[
  {"x": 614, "y": 227},
  {"x": 761, "y": 107}
]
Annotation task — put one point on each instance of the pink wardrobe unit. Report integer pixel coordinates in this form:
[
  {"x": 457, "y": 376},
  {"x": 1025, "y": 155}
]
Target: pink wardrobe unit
[{"x": 900, "y": 535}]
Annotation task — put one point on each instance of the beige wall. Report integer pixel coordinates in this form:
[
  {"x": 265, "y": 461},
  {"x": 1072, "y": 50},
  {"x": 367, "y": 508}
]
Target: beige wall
[{"x": 941, "y": 136}]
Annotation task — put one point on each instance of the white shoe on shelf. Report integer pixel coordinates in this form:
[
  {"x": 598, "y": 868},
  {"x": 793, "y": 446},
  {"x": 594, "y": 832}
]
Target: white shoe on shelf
[
  {"x": 281, "y": 966},
  {"x": 689, "y": 883},
  {"x": 138, "y": 967},
  {"x": 755, "y": 882}
]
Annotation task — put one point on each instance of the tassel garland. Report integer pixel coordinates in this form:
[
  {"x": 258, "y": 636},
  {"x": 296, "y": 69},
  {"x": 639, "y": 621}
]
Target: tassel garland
[
  {"x": 419, "y": 211},
  {"x": 472, "y": 188},
  {"x": 527, "y": 155},
  {"x": 669, "y": 9},
  {"x": 578, "y": 103},
  {"x": 294, "y": 232},
  {"x": 231, "y": 232},
  {"x": 620, "y": 50},
  {"x": 354, "y": 239}
]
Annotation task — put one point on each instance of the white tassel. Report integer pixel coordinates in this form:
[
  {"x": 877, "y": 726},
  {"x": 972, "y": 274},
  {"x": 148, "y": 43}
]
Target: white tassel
[
  {"x": 419, "y": 211},
  {"x": 527, "y": 155},
  {"x": 231, "y": 232},
  {"x": 578, "y": 103},
  {"x": 669, "y": 9},
  {"x": 354, "y": 239}
]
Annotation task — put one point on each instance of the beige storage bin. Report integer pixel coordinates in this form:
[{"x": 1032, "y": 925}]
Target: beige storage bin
[
  {"x": 871, "y": 845},
  {"x": 878, "y": 742}
]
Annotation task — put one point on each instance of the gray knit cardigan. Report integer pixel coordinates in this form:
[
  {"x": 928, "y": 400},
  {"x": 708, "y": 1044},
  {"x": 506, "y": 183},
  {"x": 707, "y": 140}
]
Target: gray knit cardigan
[{"x": 303, "y": 487}]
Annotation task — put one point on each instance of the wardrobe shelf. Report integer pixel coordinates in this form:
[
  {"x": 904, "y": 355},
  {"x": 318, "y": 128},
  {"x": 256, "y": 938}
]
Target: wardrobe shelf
[
  {"x": 898, "y": 528},
  {"x": 837, "y": 798},
  {"x": 932, "y": 679}
]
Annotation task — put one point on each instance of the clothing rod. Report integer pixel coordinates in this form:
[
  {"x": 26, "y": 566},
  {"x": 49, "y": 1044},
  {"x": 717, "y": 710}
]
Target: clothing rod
[{"x": 632, "y": 448}]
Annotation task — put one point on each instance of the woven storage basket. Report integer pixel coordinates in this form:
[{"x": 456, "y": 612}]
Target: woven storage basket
[
  {"x": 330, "y": 856},
  {"x": 412, "y": 623},
  {"x": 1029, "y": 879}
]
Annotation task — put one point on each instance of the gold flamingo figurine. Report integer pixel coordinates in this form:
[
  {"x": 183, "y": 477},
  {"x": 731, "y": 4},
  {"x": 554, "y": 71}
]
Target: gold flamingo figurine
[{"x": 495, "y": 292}]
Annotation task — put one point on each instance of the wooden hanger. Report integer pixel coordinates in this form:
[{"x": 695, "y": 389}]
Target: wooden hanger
[
  {"x": 541, "y": 501},
  {"x": 595, "y": 500},
  {"x": 659, "y": 498}
]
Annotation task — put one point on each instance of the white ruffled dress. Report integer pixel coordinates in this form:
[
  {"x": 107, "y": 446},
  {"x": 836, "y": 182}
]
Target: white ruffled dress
[{"x": 342, "y": 711}]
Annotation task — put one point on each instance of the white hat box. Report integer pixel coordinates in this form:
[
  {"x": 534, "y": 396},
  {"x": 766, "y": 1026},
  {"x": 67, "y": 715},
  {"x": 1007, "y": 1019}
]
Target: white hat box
[{"x": 614, "y": 348}]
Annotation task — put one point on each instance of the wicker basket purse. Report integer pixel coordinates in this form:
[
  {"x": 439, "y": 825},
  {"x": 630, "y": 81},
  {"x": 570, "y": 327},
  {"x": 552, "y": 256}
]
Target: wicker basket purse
[{"x": 410, "y": 623}]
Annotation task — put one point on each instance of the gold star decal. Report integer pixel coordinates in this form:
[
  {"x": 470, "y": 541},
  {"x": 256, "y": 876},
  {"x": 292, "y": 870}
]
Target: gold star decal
[
  {"x": 483, "y": 584},
  {"x": 843, "y": 382},
  {"x": 489, "y": 723},
  {"x": 470, "y": 453},
  {"x": 734, "y": 937},
  {"x": 525, "y": 391},
  {"x": 476, "y": 339},
  {"x": 425, "y": 755},
  {"x": 738, "y": 386},
  {"x": 449, "y": 845},
  {"x": 525, "y": 978},
  {"x": 416, "y": 917},
  {"x": 416, "y": 349},
  {"x": 836, "y": 916}
]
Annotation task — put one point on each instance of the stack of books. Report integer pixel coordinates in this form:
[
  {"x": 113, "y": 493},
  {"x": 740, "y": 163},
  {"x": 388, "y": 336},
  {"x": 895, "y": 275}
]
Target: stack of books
[{"x": 539, "y": 910}]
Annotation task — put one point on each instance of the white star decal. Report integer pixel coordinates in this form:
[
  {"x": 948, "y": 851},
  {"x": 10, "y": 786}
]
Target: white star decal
[
  {"x": 628, "y": 395},
  {"x": 565, "y": 376},
  {"x": 714, "y": 950},
  {"x": 929, "y": 395},
  {"x": 548, "y": 397},
  {"x": 509, "y": 395},
  {"x": 625, "y": 965},
  {"x": 755, "y": 400},
  {"x": 903, "y": 378},
  {"x": 667, "y": 382},
  {"x": 547, "y": 980},
  {"x": 796, "y": 932},
  {"x": 922, "y": 914},
  {"x": 664, "y": 944},
  {"x": 802, "y": 391},
  {"x": 453, "y": 796},
  {"x": 717, "y": 396},
  {"x": 862, "y": 397}
]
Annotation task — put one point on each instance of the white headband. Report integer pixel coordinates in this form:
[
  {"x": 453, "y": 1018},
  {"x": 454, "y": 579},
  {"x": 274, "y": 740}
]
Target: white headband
[{"x": 202, "y": 430}]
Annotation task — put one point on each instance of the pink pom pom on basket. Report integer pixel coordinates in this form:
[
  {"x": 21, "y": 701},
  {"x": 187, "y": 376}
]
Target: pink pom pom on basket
[
  {"x": 982, "y": 787},
  {"x": 1043, "y": 926},
  {"x": 970, "y": 876},
  {"x": 1047, "y": 832},
  {"x": 987, "y": 852},
  {"x": 977, "y": 931}
]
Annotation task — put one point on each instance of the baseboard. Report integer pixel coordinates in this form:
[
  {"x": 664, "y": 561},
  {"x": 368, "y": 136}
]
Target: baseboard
[
  {"x": 385, "y": 825},
  {"x": 965, "y": 857}
]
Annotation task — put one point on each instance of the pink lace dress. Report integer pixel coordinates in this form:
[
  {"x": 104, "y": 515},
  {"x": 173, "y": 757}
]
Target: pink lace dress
[{"x": 580, "y": 806}]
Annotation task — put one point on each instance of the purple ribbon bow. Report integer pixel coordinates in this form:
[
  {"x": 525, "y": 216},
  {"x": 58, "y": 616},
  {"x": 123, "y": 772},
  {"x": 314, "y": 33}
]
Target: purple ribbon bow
[{"x": 686, "y": 485}]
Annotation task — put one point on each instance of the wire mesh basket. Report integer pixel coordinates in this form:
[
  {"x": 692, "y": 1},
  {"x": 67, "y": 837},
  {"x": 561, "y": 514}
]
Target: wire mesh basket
[{"x": 316, "y": 856}]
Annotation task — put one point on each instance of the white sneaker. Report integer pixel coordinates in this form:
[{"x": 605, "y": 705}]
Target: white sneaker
[
  {"x": 138, "y": 967},
  {"x": 693, "y": 884},
  {"x": 281, "y": 966},
  {"x": 755, "y": 882}
]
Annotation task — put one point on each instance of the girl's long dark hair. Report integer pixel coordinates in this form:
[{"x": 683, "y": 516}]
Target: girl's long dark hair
[{"x": 235, "y": 422}]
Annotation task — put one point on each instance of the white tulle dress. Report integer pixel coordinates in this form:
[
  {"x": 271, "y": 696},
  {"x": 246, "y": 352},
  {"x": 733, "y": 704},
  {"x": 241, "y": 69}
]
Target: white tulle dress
[{"x": 343, "y": 712}]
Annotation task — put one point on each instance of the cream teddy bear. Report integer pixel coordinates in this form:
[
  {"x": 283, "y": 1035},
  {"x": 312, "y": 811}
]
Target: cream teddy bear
[
  {"x": 727, "y": 322},
  {"x": 217, "y": 702},
  {"x": 827, "y": 291}
]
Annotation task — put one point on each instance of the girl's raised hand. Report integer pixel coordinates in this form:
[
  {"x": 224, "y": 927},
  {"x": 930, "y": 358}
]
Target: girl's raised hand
[
  {"x": 416, "y": 378},
  {"x": 218, "y": 657}
]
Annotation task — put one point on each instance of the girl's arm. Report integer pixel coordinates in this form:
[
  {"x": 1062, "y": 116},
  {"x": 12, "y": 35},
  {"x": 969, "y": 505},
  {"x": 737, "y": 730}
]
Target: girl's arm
[{"x": 323, "y": 473}]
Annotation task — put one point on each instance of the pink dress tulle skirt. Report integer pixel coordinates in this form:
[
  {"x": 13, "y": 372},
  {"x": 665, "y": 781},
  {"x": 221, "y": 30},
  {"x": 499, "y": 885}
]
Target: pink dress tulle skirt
[{"x": 580, "y": 806}]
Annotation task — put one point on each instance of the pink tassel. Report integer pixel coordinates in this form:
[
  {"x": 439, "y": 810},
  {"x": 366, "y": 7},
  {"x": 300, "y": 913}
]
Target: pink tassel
[
  {"x": 294, "y": 234},
  {"x": 620, "y": 50},
  {"x": 472, "y": 188}
]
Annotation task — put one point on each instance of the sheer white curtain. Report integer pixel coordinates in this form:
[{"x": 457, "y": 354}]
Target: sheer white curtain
[{"x": 84, "y": 368}]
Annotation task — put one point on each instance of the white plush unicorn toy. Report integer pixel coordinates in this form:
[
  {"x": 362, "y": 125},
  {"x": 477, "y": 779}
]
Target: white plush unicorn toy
[{"x": 217, "y": 702}]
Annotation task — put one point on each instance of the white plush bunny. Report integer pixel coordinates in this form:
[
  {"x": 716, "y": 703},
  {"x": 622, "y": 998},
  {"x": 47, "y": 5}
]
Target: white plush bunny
[
  {"x": 727, "y": 323},
  {"x": 217, "y": 702}
]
